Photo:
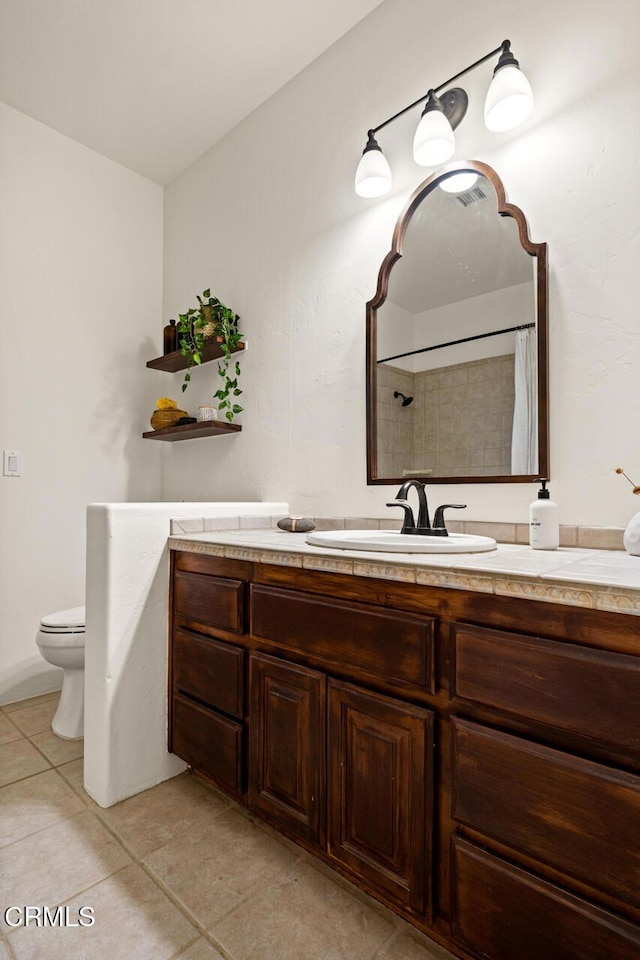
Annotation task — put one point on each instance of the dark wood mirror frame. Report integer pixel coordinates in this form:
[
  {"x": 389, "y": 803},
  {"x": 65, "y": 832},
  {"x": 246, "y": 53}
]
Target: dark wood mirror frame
[{"x": 537, "y": 250}]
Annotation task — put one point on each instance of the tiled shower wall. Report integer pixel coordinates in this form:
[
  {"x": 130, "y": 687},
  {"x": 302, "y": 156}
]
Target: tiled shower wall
[
  {"x": 459, "y": 423},
  {"x": 395, "y": 422}
]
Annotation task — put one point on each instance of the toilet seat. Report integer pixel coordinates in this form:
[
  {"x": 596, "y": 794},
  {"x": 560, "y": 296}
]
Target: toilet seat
[{"x": 64, "y": 622}]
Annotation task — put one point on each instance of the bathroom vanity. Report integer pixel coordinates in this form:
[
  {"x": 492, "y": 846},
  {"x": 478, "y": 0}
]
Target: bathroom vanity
[{"x": 464, "y": 752}]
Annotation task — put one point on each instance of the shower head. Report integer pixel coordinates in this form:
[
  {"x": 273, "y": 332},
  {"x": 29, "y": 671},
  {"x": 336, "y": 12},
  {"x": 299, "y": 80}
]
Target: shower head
[{"x": 405, "y": 400}]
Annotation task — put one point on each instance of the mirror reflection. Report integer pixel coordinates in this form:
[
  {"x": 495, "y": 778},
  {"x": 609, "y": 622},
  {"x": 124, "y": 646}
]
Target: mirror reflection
[{"x": 455, "y": 351}]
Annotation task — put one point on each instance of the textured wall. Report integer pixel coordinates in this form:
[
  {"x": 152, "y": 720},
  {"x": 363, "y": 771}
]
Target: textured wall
[
  {"x": 269, "y": 218},
  {"x": 80, "y": 300}
]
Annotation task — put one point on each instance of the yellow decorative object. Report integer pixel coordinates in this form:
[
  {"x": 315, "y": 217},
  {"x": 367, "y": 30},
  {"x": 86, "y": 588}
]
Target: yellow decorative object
[
  {"x": 165, "y": 403},
  {"x": 166, "y": 418}
]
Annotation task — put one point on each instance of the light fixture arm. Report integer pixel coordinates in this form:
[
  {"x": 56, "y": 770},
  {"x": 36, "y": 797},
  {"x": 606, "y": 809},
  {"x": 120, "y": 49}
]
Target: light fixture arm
[{"x": 504, "y": 48}]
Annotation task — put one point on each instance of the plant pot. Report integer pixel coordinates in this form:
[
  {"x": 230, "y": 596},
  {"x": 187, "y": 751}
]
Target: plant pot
[{"x": 208, "y": 330}]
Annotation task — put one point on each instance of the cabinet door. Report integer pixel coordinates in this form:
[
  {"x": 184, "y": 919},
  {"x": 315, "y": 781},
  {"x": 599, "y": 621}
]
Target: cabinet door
[
  {"x": 380, "y": 792},
  {"x": 287, "y": 753}
]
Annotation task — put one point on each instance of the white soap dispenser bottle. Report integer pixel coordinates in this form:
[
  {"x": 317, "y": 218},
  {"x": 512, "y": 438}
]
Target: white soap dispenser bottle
[{"x": 544, "y": 526}]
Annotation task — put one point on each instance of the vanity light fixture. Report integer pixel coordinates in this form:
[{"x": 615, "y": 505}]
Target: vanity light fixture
[{"x": 509, "y": 101}]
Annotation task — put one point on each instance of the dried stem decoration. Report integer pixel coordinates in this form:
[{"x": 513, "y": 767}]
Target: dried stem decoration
[{"x": 635, "y": 489}]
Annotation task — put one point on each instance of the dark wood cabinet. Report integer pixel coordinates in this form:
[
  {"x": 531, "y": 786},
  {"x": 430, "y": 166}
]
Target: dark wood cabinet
[
  {"x": 470, "y": 760},
  {"x": 506, "y": 913},
  {"x": 287, "y": 753},
  {"x": 380, "y": 792},
  {"x": 211, "y": 743},
  {"x": 559, "y": 809}
]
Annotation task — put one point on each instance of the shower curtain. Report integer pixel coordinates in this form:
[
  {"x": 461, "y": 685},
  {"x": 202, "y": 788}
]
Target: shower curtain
[{"x": 524, "y": 440}]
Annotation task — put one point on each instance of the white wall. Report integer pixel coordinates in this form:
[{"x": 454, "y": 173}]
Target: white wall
[
  {"x": 80, "y": 302},
  {"x": 126, "y": 658},
  {"x": 399, "y": 330},
  {"x": 497, "y": 310},
  {"x": 269, "y": 218}
]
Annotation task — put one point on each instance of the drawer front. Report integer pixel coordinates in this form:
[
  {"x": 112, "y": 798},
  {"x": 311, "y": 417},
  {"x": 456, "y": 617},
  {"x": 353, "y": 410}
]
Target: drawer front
[
  {"x": 214, "y": 601},
  {"x": 209, "y": 742},
  {"x": 575, "y": 689},
  {"x": 578, "y": 816},
  {"x": 505, "y": 913},
  {"x": 209, "y": 670},
  {"x": 347, "y": 636}
]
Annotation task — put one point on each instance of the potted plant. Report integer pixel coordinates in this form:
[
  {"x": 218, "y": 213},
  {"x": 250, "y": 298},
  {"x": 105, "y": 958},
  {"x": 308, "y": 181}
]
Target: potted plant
[{"x": 213, "y": 319}]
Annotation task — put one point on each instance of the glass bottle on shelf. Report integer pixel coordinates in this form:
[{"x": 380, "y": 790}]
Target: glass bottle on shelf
[{"x": 170, "y": 337}]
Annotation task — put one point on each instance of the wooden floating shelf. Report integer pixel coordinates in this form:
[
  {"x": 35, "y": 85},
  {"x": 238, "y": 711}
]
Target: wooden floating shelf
[
  {"x": 172, "y": 362},
  {"x": 191, "y": 431}
]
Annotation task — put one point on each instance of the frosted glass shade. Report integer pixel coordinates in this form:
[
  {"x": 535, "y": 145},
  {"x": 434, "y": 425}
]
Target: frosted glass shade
[
  {"x": 459, "y": 182},
  {"x": 509, "y": 99},
  {"x": 434, "y": 141},
  {"x": 373, "y": 176}
]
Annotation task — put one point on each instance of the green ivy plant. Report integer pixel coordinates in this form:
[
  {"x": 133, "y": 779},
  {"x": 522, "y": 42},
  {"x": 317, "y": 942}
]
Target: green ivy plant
[
  {"x": 190, "y": 341},
  {"x": 191, "y": 338}
]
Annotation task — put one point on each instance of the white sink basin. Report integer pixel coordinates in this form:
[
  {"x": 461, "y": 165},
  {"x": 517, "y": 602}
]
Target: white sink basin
[{"x": 388, "y": 541}]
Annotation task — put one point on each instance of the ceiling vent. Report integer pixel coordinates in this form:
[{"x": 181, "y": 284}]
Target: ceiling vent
[{"x": 467, "y": 197}]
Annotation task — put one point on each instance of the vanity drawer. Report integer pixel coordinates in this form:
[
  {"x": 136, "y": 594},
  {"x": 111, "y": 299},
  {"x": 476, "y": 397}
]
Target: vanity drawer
[
  {"x": 209, "y": 742},
  {"x": 591, "y": 693},
  {"x": 209, "y": 670},
  {"x": 578, "y": 816},
  {"x": 360, "y": 640},
  {"x": 505, "y": 913},
  {"x": 214, "y": 601}
]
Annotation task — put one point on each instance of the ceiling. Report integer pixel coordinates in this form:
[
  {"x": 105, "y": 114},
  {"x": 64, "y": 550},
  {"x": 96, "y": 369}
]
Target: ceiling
[
  {"x": 452, "y": 252},
  {"x": 153, "y": 84}
]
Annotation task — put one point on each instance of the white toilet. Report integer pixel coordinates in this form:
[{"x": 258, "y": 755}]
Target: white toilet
[{"x": 61, "y": 642}]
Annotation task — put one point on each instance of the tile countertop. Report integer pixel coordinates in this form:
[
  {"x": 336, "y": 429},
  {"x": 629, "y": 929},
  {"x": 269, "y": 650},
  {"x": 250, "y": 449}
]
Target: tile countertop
[{"x": 599, "y": 579}]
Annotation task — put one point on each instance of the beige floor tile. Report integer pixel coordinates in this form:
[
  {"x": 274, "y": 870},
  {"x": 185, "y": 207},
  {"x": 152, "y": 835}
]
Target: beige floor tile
[
  {"x": 200, "y": 950},
  {"x": 134, "y": 920},
  {"x": 154, "y": 818},
  {"x": 56, "y": 749},
  {"x": 214, "y": 867},
  {"x": 306, "y": 916},
  {"x": 35, "y": 803},
  {"x": 74, "y": 775},
  {"x": 8, "y": 730},
  {"x": 32, "y": 701},
  {"x": 19, "y": 760},
  {"x": 35, "y": 718},
  {"x": 410, "y": 947},
  {"x": 57, "y": 863}
]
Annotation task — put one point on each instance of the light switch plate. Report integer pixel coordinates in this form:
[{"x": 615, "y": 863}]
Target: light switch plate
[{"x": 12, "y": 463}]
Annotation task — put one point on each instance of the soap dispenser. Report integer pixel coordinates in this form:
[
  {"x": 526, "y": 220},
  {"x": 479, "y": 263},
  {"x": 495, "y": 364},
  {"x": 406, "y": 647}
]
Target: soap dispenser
[{"x": 544, "y": 527}]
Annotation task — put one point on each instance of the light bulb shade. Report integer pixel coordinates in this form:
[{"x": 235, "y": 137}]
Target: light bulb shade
[
  {"x": 509, "y": 99},
  {"x": 373, "y": 176},
  {"x": 434, "y": 141},
  {"x": 458, "y": 182}
]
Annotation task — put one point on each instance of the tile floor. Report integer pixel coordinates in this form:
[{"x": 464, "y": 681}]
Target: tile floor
[{"x": 178, "y": 871}]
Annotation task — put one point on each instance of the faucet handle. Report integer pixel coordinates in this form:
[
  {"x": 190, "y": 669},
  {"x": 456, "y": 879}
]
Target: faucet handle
[
  {"x": 409, "y": 522},
  {"x": 438, "y": 520}
]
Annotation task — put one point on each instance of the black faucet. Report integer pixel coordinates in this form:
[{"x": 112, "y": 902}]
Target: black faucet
[{"x": 423, "y": 526}]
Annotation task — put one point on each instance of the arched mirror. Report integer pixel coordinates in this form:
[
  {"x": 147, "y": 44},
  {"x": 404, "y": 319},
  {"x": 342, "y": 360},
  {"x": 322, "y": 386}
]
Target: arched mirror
[{"x": 457, "y": 339}]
